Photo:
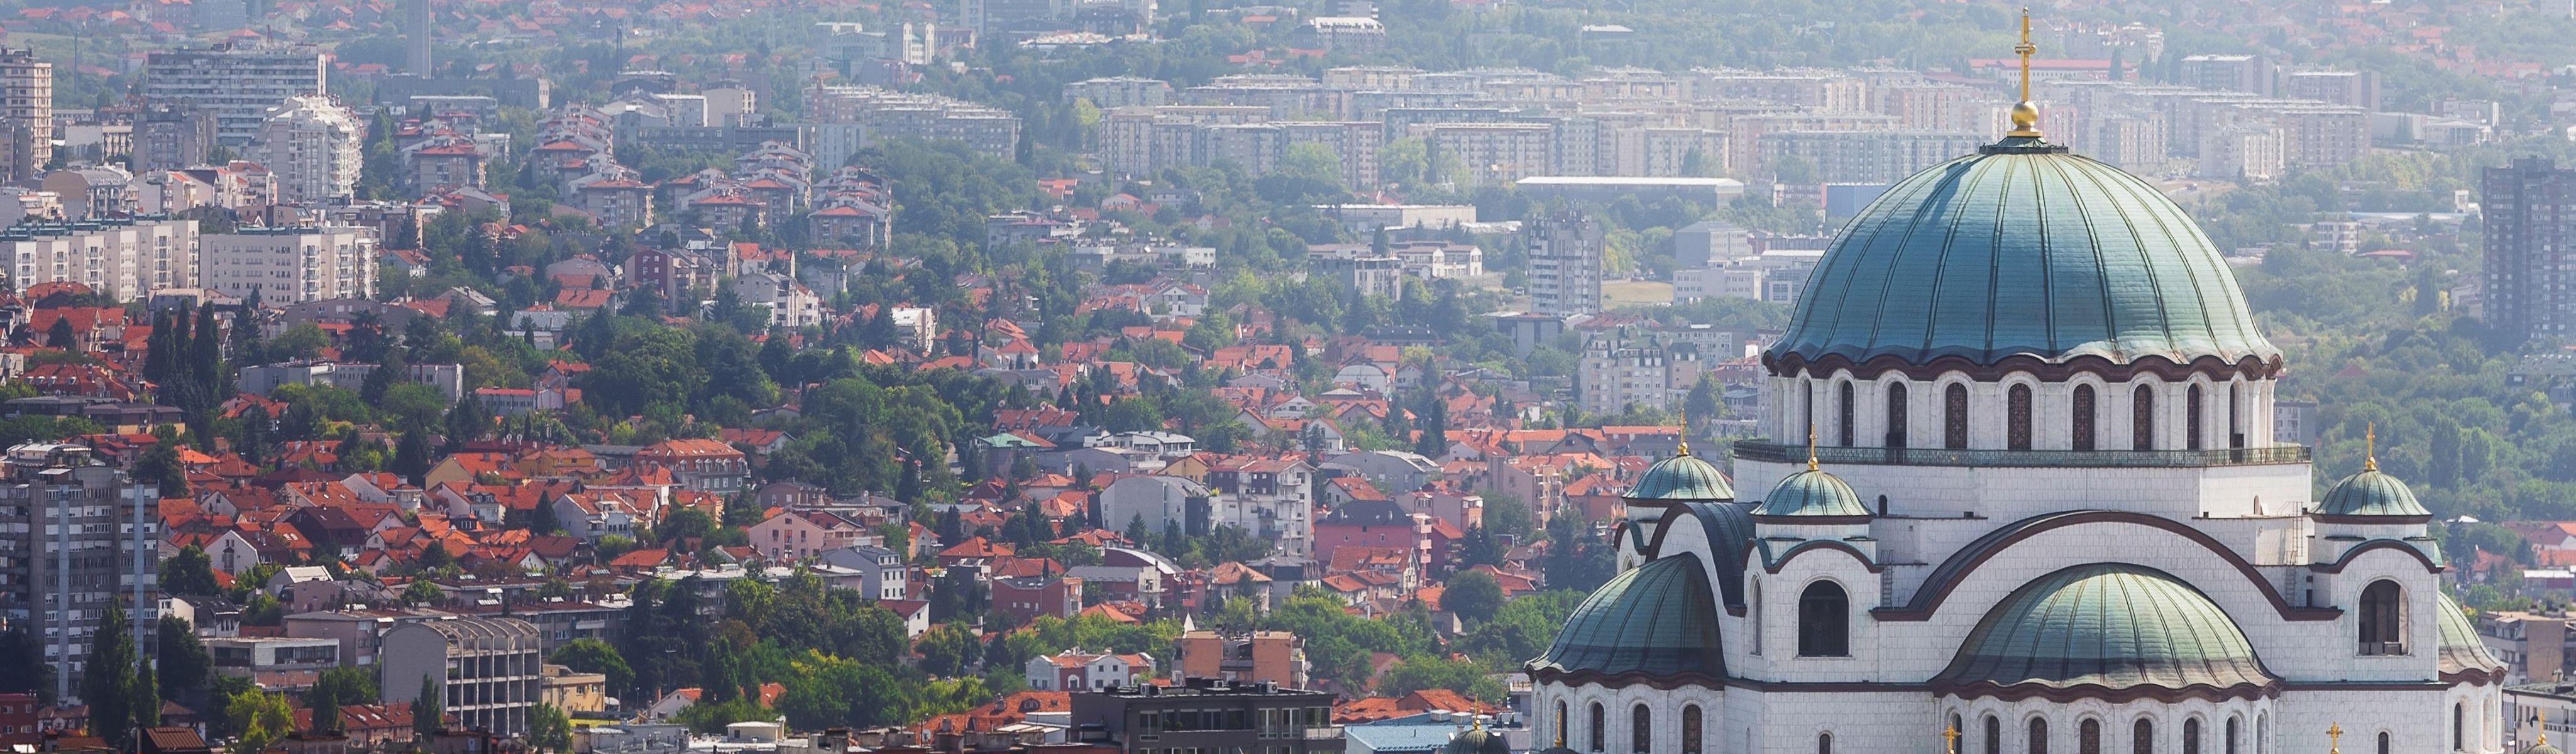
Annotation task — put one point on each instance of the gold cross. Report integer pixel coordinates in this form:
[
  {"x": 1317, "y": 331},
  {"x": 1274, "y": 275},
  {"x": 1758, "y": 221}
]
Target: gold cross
[
  {"x": 1811, "y": 446},
  {"x": 2370, "y": 446},
  {"x": 2025, "y": 50},
  {"x": 2334, "y": 738},
  {"x": 1950, "y": 739}
]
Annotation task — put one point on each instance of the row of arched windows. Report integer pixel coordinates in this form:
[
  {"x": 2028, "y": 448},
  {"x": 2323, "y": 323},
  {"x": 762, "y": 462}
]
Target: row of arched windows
[
  {"x": 2083, "y": 420},
  {"x": 2088, "y": 737},
  {"x": 1641, "y": 729}
]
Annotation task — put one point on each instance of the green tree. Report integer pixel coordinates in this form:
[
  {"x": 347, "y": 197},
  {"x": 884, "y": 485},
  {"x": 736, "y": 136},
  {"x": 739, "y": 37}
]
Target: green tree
[
  {"x": 595, "y": 656},
  {"x": 1473, "y": 596},
  {"x": 108, "y": 675},
  {"x": 190, "y": 572},
  {"x": 258, "y": 718},
  {"x": 145, "y": 691},
  {"x": 184, "y": 664},
  {"x": 428, "y": 710},
  {"x": 947, "y": 649},
  {"x": 549, "y": 729},
  {"x": 421, "y": 592}
]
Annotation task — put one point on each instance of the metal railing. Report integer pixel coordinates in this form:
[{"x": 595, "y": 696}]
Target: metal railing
[{"x": 1772, "y": 452}]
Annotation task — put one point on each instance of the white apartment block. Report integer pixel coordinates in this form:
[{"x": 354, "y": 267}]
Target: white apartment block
[
  {"x": 1490, "y": 153},
  {"x": 237, "y": 84},
  {"x": 288, "y": 265},
  {"x": 312, "y": 147},
  {"x": 1565, "y": 254},
  {"x": 27, "y": 100},
  {"x": 1618, "y": 371},
  {"x": 1113, "y": 92},
  {"x": 122, "y": 258}
]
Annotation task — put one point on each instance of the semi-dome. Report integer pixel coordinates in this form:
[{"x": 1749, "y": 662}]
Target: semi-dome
[
  {"x": 2371, "y": 493},
  {"x": 2022, "y": 250},
  {"x": 1656, "y": 619},
  {"x": 1682, "y": 477},
  {"x": 2106, "y": 627},
  {"x": 1812, "y": 493},
  {"x": 2460, "y": 650}
]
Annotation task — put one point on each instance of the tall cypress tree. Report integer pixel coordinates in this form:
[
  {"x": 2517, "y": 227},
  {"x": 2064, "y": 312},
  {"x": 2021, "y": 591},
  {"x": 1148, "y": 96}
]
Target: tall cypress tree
[
  {"x": 427, "y": 712},
  {"x": 206, "y": 353},
  {"x": 146, "y": 691},
  {"x": 106, "y": 676}
]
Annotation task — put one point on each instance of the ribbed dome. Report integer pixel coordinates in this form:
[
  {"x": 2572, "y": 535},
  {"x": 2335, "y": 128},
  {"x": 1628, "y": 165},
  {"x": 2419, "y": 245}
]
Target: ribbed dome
[
  {"x": 1682, "y": 477},
  {"x": 1477, "y": 740},
  {"x": 2371, "y": 493},
  {"x": 2107, "y": 626},
  {"x": 2022, "y": 249},
  {"x": 2461, "y": 650},
  {"x": 1812, "y": 493},
  {"x": 1658, "y": 619}
]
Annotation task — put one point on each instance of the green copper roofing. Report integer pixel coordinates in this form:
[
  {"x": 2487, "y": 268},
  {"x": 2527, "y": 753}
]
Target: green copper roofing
[
  {"x": 1728, "y": 526},
  {"x": 1682, "y": 477},
  {"x": 2022, "y": 250},
  {"x": 1658, "y": 619},
  {"x": 1477, "y": 740},
  {"x": 1812, "y": 493},
  {"x": 2461, "y": 650},
  {"x": 2371, "y": 493},
  {"x": 2110, "y": 626}
]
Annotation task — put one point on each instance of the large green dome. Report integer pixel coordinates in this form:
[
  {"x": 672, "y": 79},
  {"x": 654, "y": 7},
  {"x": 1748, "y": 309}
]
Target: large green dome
[
  {"x": 2106, "y": 627},
  {"x": 2022, "y": 250},
  {"x": 1658, "y": 619}
]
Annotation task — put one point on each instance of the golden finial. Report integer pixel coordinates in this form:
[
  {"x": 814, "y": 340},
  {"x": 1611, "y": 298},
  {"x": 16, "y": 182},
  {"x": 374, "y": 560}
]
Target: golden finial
[
  {"x": 2370, "y": 446},
  {"x": 2334, "y": 738},
  {"x": 2025, "y": 115},
  {"x": 1950, "y": 739},
  {"x": 1684, "y": 450},
  {"x": 1811, "y": 446}
]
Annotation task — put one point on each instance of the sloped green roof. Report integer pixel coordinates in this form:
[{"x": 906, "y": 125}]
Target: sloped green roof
[
  {"x": 1812, "y": 493},
  {"x": 1659, "y": 619},
  {"x": 1682, "y": 477},
  {"x": 2371, "y": 493},
  {"x": 2108, "y": 626},
  {"x": 2022, "y": 249},
  {"x": 2461, "y": 650}
]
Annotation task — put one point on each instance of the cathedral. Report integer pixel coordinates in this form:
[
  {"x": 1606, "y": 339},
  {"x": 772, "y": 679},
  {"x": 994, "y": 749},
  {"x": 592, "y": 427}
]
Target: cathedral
[{"x": 2024, "y": 499}]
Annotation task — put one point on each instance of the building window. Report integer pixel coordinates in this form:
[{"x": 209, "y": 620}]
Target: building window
[
  {"x": 2088, "y": 737},
  {"x": 1994, "y": 735},
  {"x": 2230, "y": 736},
  {"x": 2142, "y": 737},
  {"x": 2142, "y": 419},
  {"x": 1824, "y": 628},
  {"x": 2017, "y": 418},
  {"x": 2458, "y": 743},
  {"x": 2081, "y": 419},
  {"x": 1896, "y": 415},
  {"x": 1954, "y": 417},
  {"x": 2191, "y": 736},
  {"x": 2235, "y": 419},
  {"x": 1560, "y": 723},
  {"x": 2038, "y": 736},
  {"x": 1845, "y": 390},
  {"x": 2383, "y": 624},
  {"x": 1595, "y": 732},
  {"x": 2192, "y": 420},
  {"x": 1824, "y": 743},
  {"x": 1691, "y": 730},
  {"x": 1641, "y": 730},
  {"x": 2383, "y": 742}
]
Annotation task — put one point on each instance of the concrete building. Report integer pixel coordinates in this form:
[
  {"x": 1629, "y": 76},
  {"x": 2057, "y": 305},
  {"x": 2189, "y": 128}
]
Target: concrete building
[
  {"x": 1359, "y": 267},
  {"x": 1489, "y": 153},
  {"x": 878, "y": 113},
  {"x": 489, "y": 668},
  {"x": 1565, "y": 255},
  {"x": 1864, "y": 156},
  {"x": 1275, "y": 657},
  {"x": 75, "y": 538},
  {"x": 2351, "y": 88},
  {"x": 172, "y": 137},
  {"x": 290, "y": 264},
  {"x": 1210, "y": 714},
  {"x": 2530, "y": 245},
  {"x": 26, "y": 113},
  {"x": 1162, "y": 502},
  {"x": 2251, "y": 74},
  {"x": 1623, "y": 368},
  {"x": 1111, "y": 92},
  {"x": 238, "y": 83},
  {"x": 124, "y": 258},
  {"x": 312, "y": 147}
]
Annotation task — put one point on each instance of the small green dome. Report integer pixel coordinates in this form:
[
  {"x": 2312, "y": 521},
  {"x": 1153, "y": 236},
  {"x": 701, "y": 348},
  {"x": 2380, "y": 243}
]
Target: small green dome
[
  {"x": 2461, "y": 651},
  {"x": 1658, "y": 619},
  {"x": 2371, "y": 493},
  {"x": 1812, "y": 493},
  {"x": 1682, "y": 477},
  {"x": 1477, "y": 740},
  {"x": 2022, "y": 250},
  {"x": 2106, "y": 626},
  {"x": 2542, "y": 748}
]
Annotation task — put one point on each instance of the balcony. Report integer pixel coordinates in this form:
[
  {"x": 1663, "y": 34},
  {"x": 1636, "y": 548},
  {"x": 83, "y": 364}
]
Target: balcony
[{"x": 1772, "y": 452}]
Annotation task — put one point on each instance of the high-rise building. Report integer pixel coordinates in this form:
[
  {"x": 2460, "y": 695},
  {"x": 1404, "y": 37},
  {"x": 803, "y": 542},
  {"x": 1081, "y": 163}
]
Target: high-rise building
[
  {"x": 416, "y": 37},
  {"x": 488, "y": 668},
  {"x": 75, "y": 538},
  {"x": 1565, "y": 252},
  {"x": 125, "y": 258},
  {"x": 237, "y": 83},
  {"x": 26, "y": 113},
  {"x": 172, "y": 137},
  {"x": 313, "y": 146},
  {"x": 2528, "y": 233},
  {"x": 288, "y": 265},
  {"x": 2251, "y": 74}
]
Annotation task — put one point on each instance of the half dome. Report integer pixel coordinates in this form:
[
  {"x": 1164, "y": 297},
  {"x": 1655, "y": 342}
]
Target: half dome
[
  {"x": 2460, "y": 650},
  {"x": 2371, "y": 493},
  {"x": 2106, "y": 627},
  {"x": 1658, "y": 619},
  {"x": 1682, "y": 477},
  {"x": 2022, "y": 250}
]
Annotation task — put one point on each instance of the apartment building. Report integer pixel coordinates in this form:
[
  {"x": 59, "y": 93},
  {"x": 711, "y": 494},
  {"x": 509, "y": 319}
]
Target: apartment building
[
  {"x": 75, "y": 538},
  {"x": 125, "y": 258},
  {"x": 1867, "y": 156},
  {"x": 1489, "y": 153},
  {"x": 26, "y": 114},
  {"x": 488, "y": 668},
  {"x": 1206, "y": 714},
  {"x": 290, "y": 264},
  {"x": 238, "y": 83},
  {"x": 1624, "y": 367},
  {"x": 312, "y": 147},
  {"x": 884, "y": 113},
  {"x": 1111, "y": 92},
  {"x": 2529, "y": 239},
  {"x": 1565, "y": 256}
]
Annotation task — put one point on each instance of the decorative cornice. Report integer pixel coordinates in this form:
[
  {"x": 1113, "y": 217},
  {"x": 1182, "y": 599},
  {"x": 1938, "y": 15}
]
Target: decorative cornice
[
  {"x": 2094, "y": 691},
  {"x": 2213, "y": 367}
]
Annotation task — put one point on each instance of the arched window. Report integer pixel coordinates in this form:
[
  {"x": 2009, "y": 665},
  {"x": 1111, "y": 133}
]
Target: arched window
[
  {"x": 1641, "y": 730},
  {"x": 2088, "y": 737},
  {"x": 1954, "y": 417},
  {"x": 1994, "y": 735},
  {"x": 2192, "y": 421},
  {"x": 1690, "y": 730},
  {"x": 1824, "y": 743},
  {"x": 1956, "y": 730},
  {"x": 2142, "y": 419},
  {"x": 2231, "y": 736},
  {"x": 2235, "y": 416},
  {"x": 1824, "y": 625},
  {"x": 2383, "y": 742},
  {"x": 1807, "y": 394},
  {"x": 1595, "y": 733},
  {"x": 1560, "y": 723},
  {"x": 1757, "y": 617},
  {"x": 2382, "y": 618},
  {"x": 1844, "y": 389},
  {"x": 1896, "y": 415},
  {"x": 2191, "y": 736},
  {"x": 2038, "y": 736},
  {"x": 2142, "y": 737},
  {"x": 2459, "y": 742},
  {"x": 2017, "y": 418},
  {"x": 2080, "y": 422}
]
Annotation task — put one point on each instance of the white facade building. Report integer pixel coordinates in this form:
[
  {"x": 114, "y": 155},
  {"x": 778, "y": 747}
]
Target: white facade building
[
  {"x": 290, "y": 264},
  {"x": 313, "y": 147},
  {"x": 125, "y": 258}
]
